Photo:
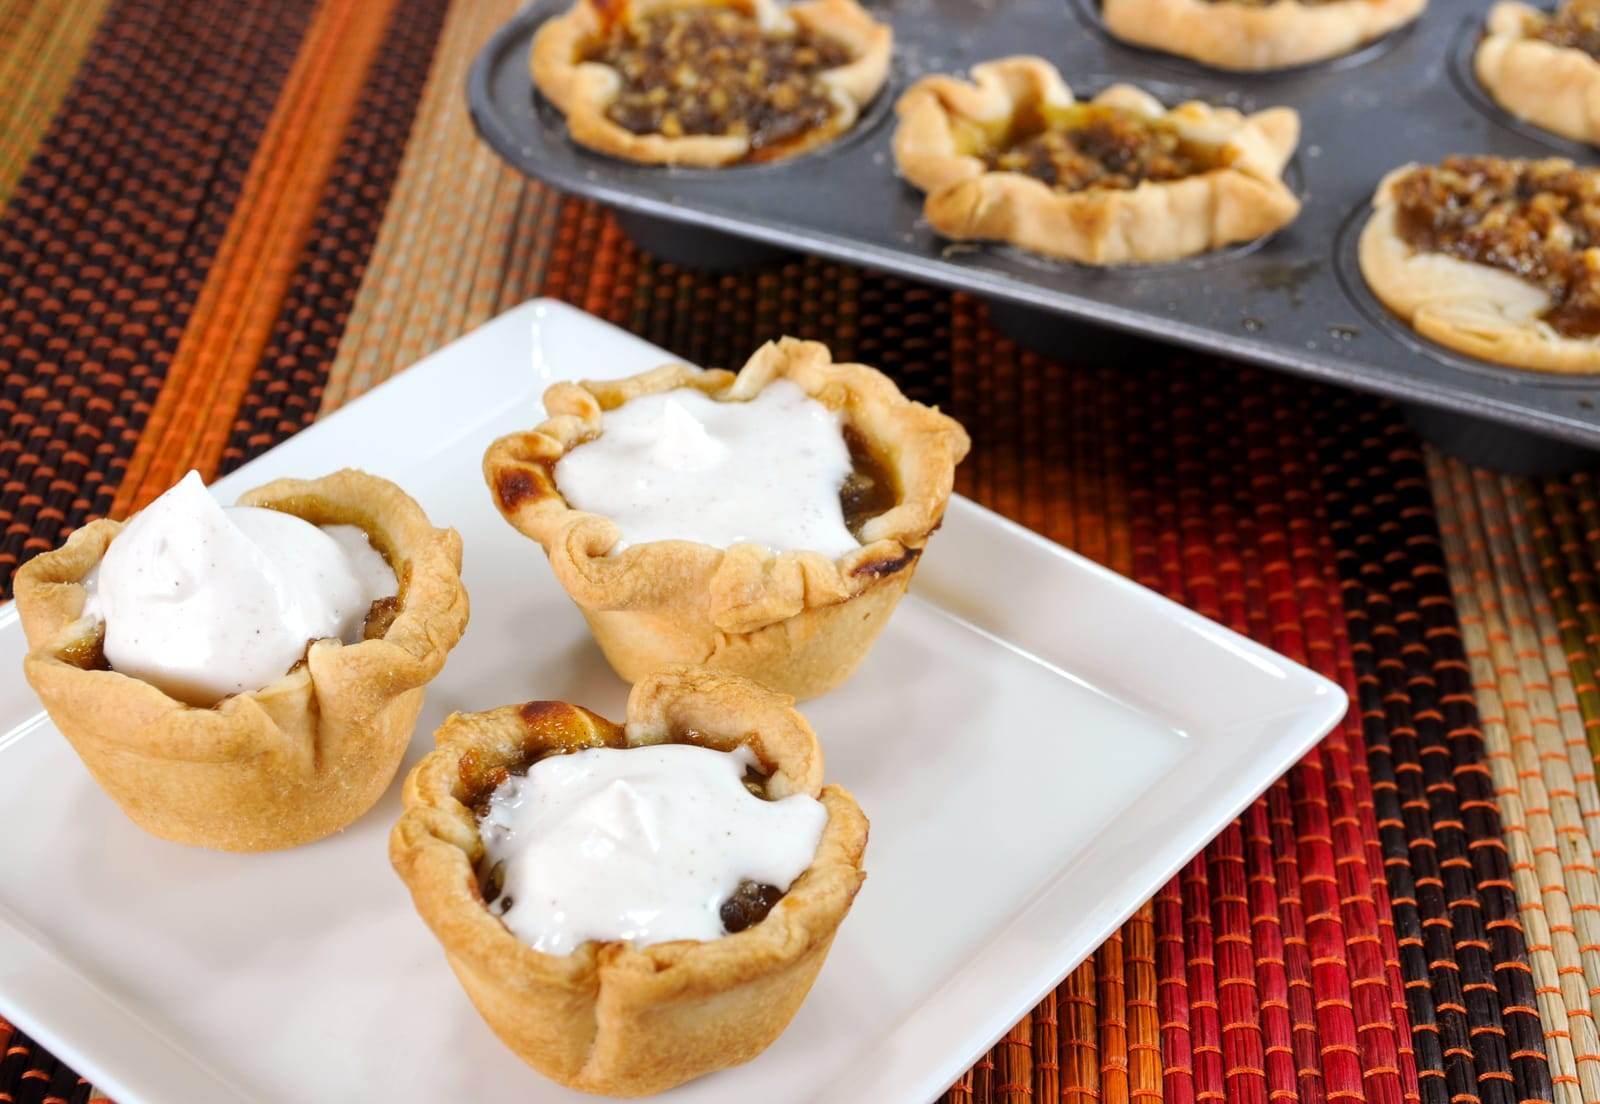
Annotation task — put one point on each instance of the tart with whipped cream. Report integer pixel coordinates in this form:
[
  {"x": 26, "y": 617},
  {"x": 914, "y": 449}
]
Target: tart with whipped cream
[
  {"x": 1496, "y": 258},
  {"x": 1543, "y": 67},
  {"x": 764, "y": 523},
  {"x": 632, "y": 906},
  {"x": 245, "y": 678},
  {"x": 710, "y": 82},
  {"x": 1256, "y": 34},
  {"x": 1119, "y": 179}
]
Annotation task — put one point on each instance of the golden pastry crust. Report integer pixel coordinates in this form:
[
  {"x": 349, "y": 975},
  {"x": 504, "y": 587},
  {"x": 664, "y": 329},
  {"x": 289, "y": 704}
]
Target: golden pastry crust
[
  {"x": 1553, "y": 87},
  {"x": 944, "y": 122},
  {"x": 1256, "y": 36},
  {"x": 583, "y": 90},
  {"x": 610, "y": 1017},
  {"x": 292, "y": 762},
  {"x": 797, "y": 621},
  {"x": 1474, "y": 308}
]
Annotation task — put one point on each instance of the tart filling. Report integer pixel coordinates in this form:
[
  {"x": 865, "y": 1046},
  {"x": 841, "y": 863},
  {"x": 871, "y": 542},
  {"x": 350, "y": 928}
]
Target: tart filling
[
  {"x": 640, "y": 845},
  {"x": 717, "y": 71},
  {"x": 1538, "y": 220},
  {"x": 1089, "y": 146},
  {"x": 779, "y": 470},
  {"x": 203, "y": 601}
]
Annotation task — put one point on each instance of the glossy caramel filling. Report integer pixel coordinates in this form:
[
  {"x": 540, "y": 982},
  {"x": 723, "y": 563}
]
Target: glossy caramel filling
[
  {"x": 871, "y": 488},
  {"x": 1095, "y": 146},
  {"x": 715, "y": 71},
  {"x": 1538, "y": 220}
]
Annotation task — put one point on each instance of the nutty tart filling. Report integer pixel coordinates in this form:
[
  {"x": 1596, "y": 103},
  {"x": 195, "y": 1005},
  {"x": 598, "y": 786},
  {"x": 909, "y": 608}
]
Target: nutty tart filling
[
  {"x": 1575, "y": 26},
  {"x": 1091, "y": 146},
  {"x": 716, "y": 71},
  {"x": 1538, "y": 220}
]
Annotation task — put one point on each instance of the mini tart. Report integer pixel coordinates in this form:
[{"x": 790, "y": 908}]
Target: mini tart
[
  {"x": 610, "y": 1017},
  {"x": 796, "y": 621},
  {"x": 1476, "y": 308},
  {"x": 1241, "y": 35},
  {"x": 1550, "y": 83},
  {"x": 592, "y": 93},
  {"x": 956, "y": 141},
  {"x": 292, "y": 762}
]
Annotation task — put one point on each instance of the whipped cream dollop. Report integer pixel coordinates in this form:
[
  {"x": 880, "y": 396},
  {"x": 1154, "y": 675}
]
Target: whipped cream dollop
[
  {"x": 203, "y": 602},
  {"x": 680, "y": 466},
  {"x": 638, "y": 844}
]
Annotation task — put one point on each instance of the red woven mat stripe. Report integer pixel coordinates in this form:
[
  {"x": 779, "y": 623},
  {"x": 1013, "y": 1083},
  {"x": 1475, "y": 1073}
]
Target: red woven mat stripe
[{"x": 108, "y": 237}]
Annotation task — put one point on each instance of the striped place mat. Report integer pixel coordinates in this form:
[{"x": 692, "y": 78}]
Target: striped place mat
[{"x": 223, "y": 219}]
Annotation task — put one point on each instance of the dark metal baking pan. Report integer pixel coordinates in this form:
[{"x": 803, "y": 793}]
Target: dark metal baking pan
[{"x": 1291, "y": 302}]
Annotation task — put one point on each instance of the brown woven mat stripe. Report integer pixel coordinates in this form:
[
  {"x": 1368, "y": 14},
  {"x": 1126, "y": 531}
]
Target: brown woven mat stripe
[
  {"x": 1517, "y": 677},
  {"x": 1428, "y": 757},
  {"x": 30, "y": 1075},
  {"x": 108, "y": 238},
  {"x": 285, "y": 390},
  {"x": 41, "y": 44}
]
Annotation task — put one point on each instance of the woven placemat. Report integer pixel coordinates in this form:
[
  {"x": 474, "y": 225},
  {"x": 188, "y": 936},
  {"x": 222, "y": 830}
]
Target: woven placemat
[{"x": 223, "y": 225}]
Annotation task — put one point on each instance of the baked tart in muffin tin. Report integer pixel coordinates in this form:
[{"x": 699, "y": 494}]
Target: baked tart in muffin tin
[
  {"x": 1012, "y": 156},
  {"x": 710, "y": 83},
  {"x": 1545, "y": 68},
  {"x": 603, "y": 917},
  {"x": 1492, "y": 257},
  {"x": 764, "y": 523},
  {"x": 1256, "y": 34},
  {"x": 177, "y": 725}
]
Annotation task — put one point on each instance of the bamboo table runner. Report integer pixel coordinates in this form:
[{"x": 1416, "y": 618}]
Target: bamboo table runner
[{"x": 223, "y": 219}]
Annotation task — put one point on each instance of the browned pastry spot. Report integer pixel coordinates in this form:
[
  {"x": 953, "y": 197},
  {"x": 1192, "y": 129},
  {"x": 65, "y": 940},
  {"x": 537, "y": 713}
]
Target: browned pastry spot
[
  {"x": 1576, "y": 26},
  {"x": 1090, "y": 145},
  {"x": 1539, "y": 220},
  {"x": 715, "y": 71}
]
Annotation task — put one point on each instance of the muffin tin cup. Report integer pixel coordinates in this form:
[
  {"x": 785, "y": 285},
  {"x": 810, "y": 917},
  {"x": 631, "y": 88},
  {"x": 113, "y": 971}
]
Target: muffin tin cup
[{"x": 1290, "y": 303}]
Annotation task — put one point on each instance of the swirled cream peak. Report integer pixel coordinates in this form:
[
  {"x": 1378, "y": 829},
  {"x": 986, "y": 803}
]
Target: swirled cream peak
[
  {"x": 681, "y": 466},
  {"x": 643, "y": 845},
  {"x": 203, "y": 602}
]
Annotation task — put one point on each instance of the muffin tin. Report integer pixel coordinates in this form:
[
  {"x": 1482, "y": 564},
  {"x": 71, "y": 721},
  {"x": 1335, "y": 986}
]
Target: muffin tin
[{"x": 1295, "y": 302}]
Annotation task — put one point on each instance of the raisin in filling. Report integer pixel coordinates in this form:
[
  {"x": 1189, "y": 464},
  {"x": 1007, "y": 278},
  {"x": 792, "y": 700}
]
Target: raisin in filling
[
  {"x": 752, "y": 901},
  {"x": 1539, "y": 220},
  {"x": 870, "y": 489},
  {"x": 715, "y": 71},
  {"x": 1575, "y": 26},
  {"x": 1095, "y": 146}
]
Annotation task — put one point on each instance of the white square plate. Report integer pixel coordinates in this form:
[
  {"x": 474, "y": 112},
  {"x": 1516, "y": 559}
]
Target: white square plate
[{"x": 1039, "y": 744}]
